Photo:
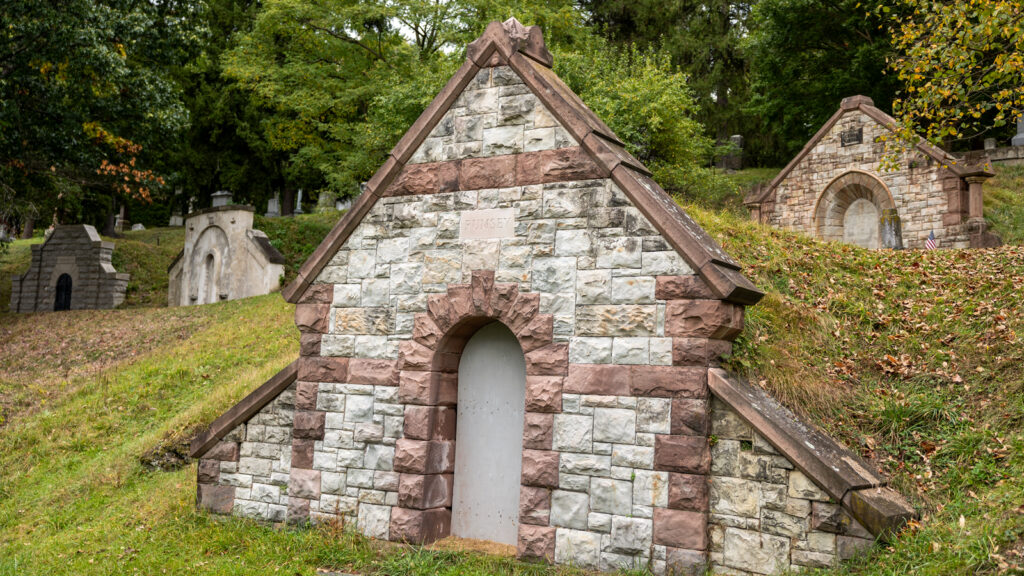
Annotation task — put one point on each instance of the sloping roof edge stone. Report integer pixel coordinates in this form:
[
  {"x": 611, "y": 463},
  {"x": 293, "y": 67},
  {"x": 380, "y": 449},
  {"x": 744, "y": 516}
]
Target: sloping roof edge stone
[
  {"x": 522, "y": 49},
  {"x": 842, "y": 474},
  {"x": 244, "y": 410},
  {"x": 867, "y": 106}
]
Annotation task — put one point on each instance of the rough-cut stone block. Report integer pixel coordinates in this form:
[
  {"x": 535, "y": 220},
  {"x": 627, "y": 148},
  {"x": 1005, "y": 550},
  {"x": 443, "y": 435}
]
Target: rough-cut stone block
[
  {"x": 630, "y": 535},
  {"x": 686, "y": 454},
  {"x": 540, "y": 468},
  {"x": 318, "y": 294},
  {"x": 690, "y": 416},
  {"x": 309, "y": 425},
  {"x": 680, "y": 529},
  {"x": 681, "y": 562},
  {"x": 376, "y": 321},
  {"x": 688, "y": 492},
  {"x": 309, "y": 344},
  {"x": 681, "y": 287},
  {"x": 603, "y": 379},
  {"x": 569, "y": 509},
  {"x": 304, "y": 483},
  {"x": 699, "y": 351},
  {"x": 208, "y": 471},
  {"x": 320, "y": 369},
  {"x": 420, "y": 526},
  {"x": 538, "y": 430},
  {"x": 756, "y": 552},
  {"x": 703, "y": 319},
  {"x": 522, "y": 311},
  {"x": 429, "y": 423},
  {"x": 536, "y": 542},
  {"x": 424, "y": 456},
  {"x": 481, "y": 285},
  {"x": 538, "y": 332},
  {"x": 552, "y": 359},
  {"x": 534, "y": 505},
  {"x": 306, "y": 395},
  {"x": 312, "y": 318},
  {"x": 439, "y": 307},
  {"x": 302, "y": 453},
  {"x": 483, "y": 173},
  {"x": 573, "y": 433},
  {"x": 425, "y": 331},
  {"x": 372, "y": 371},
  {"x": 616, "y": 320},
  {"x": 669, "y": 381},
  {"x": 611, "y": 496},
  {"x": 428, "y": 388},
  {"x": 460, "y": 299},
  {"x": 223, "y": 451},
  {"x": 615, "y": 425},
  {"x": 423, "y": 492},
  {"x": 219, "y": 499},
  {"x": 414, "y": 356},
  {"x": 298, "y": 510},
  {"x": 544, "y": 393}
]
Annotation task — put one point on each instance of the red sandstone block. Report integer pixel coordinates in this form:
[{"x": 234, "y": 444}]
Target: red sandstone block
[
  {"x": 304, "y": 483},
  {"x": 424, "y": 456},
  {"x": 305, "y": 395},
  {"x": 536, "y": 542},
  {"x": 428, "y": 388},
  {"x": 309, "y": 344},
  {"x": 481, "y": 287},
  {"x": 522, "y": 311},
  {"x": 551, "y": 359},
  {"x": 429, "y": 423},
  {"x": 669, "y": 381},
  {"x": 425, "y": 491},
  {"x": 414, "y": 356},
  {"x": 483, "y": 173},
  {"x": 681, "y": 287},
  {"x": 312, "y": 318},
  {"x": 703, "y": 319},
  {"x": 425, "y": 331},
  {"x": 604, "y": 379},
  {"x": 540, "y": 468},
  {"x": 318, "y": 294},
  {"x": 688, "y": 492},
  {"x": 699, "y": 351},
  {"x": 680, "y": 529},
  {"x": 534, "y": 505},
  {"x": 219, "y": 499},
  {"x": 309, "y": 425},
  {"x": 320, "y": 369},
  {"x": 559, "y": 165},
  {"x": 223, "y": 451},
  {"x": 460, "y": 297},
  {"x": 372, "y": 371},
  {"x": 419, "y": 526},
  {"x": 440, "y": 309},
  {"x": 502, "y": 298},
  {"x": 539, "y": 331},
  {"x": 690, "y": 416},
  {"x": 538, "y": 431},
  {"x": 686, "y": 454},
  {"x": 302, "y": 453},
  {"x": 544, "y": 393},
  {"x": 208, "y": 471},
  {"x": 298, "y": 510}
]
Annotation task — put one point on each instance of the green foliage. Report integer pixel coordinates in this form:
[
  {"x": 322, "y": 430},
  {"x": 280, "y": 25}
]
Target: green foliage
[
  {"x": 1004, "y": 203},
  {"x": 805, "y": 57},
  {"x": 296, "y": 237}
]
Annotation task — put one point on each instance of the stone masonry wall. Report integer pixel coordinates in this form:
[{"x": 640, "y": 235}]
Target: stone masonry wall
[
  {"x": 920, "y": 188},
  {"x": 766, "y": 517}
]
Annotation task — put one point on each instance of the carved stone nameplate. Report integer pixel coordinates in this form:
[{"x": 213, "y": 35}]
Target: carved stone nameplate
[
  {"x": 488, "y": 224},
  {"x": 851, "y": 137}
]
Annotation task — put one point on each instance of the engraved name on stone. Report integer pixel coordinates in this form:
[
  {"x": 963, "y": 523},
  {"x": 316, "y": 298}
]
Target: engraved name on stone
[{"x": 487, "y": 224}]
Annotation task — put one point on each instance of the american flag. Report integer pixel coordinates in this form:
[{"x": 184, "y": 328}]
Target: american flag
[{"x": 930, "y": 244}]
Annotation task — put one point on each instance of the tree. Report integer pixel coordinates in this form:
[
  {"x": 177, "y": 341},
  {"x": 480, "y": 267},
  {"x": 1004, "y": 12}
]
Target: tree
[
  {"x": 962, "y": 67},
  {"x": 806, "y": 56}
]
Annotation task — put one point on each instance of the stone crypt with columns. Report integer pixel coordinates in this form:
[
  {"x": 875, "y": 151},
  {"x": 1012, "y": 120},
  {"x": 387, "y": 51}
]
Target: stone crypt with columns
[{"x": 514, "y": 335}]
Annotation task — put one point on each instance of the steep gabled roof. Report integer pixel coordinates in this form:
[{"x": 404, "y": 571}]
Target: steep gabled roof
[
  {"x": 523, "y": 50},
  {"x": 865, "y": 105}
]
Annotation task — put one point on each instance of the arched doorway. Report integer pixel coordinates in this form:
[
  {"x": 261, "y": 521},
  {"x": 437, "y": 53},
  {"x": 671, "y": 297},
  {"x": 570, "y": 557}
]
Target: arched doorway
[
  {"x": 489, "y": 436},
  {"x": 851, "y": 210},
  {"x": 62, "y": 300}
]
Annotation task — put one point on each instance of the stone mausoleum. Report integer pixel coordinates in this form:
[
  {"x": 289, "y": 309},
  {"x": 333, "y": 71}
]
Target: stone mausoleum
[
  {"x": 71, "y": 270},
  {"x": 514, "y": 336},
  {"x": 223, "y": 258},
  {"x": 835, "y": 190}
]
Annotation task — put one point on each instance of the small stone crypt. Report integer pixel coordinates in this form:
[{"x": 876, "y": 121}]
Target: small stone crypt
[
  {"x": 834, "y": 190},
  {"x": 72, "y": 270},
  {"x": 514, "y": 336}
]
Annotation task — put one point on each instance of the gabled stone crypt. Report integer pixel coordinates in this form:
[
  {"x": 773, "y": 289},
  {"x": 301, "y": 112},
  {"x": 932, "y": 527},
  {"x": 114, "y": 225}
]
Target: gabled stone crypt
[{"x": 514, "y": 335}]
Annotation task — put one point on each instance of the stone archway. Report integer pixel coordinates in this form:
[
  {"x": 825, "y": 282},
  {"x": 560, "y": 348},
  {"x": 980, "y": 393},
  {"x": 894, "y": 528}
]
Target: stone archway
[
  {"x": 429, "y": 385},
  {"x": 857, "y": 208}
]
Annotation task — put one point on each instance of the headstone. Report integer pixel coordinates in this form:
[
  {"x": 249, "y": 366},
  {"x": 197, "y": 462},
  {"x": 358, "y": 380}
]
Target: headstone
[
  {"x": 121, "y": 222},
  {"x": 342, "y": 204},
  {"x": 298, "y": 202},
  {"x": 990, "y": 143},
  {"x": 221, "y": 198},
  {"x": 176, "y": 219},
  {"x": 1018, "y": 140},
  {"x": 274, "y": 206},
  {"x": 891, "y": 231},
  {"x": 137, "y": 227}
]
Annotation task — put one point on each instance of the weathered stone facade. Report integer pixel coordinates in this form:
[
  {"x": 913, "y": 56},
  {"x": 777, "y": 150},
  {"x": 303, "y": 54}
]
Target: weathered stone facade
[
  {"x": 70, "y": 271},
  {"x": 224, "y": 258},
  {"x": 620, "y": 304},
  {"x": 930, "y": 191}
]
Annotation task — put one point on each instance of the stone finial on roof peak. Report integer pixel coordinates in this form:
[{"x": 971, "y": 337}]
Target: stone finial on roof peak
[
  {"x": 851, "y": 102},
  {"x": 515, "y": 29}
]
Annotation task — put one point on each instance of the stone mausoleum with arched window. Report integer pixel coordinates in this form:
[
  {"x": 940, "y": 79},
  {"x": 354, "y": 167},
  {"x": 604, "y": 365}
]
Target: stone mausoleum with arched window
[{"x": 834, "y": 189}]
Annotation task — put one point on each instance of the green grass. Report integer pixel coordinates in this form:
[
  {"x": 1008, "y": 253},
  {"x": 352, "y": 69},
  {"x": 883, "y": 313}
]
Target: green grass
[{"x": 1004, "y": 203}]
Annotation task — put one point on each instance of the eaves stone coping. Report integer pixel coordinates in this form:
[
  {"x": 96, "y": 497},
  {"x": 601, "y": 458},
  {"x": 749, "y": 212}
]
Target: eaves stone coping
[
  {"x": 505, "y": 44},
  {"x": 244, "y": 410},
  {"x": 840, "y": 473}
]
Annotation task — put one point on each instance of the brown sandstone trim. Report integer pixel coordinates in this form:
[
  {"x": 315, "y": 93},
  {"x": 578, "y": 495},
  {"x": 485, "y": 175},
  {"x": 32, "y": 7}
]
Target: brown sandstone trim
[
  {"x": 637, "y": 380},
  {"x": 244, "y": 410}
]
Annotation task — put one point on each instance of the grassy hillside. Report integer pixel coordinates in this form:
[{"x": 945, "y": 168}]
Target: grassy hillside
[
  {"x": 913, "y": 359},
  {"x": 1004, "y": 203}
]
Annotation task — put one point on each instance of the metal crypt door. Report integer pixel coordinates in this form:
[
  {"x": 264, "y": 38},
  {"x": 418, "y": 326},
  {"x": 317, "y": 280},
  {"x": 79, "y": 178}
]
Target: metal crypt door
[
  {"x": 489, "y": 436},
  {"x": 63, "y": 298}
]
